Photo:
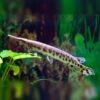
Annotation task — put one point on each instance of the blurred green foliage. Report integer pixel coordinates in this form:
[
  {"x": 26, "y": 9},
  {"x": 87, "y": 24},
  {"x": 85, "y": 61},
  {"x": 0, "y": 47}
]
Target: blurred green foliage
[
  {"x": 84, "y": 43},
  {"x": 9, "y": 22},
  {"x": 87, "y": 42},
  {"x": 90, "y": 51}
]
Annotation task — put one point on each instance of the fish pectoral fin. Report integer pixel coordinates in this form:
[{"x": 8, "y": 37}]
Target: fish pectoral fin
[
  {"x": 81, "y": 59},
  {"x": 50, "y": 60}
]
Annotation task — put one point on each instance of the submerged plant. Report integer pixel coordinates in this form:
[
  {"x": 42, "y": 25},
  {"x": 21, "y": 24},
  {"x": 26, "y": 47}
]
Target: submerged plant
[
  {"x": 90, "y": 50},
  {"x": 9, "y": 64}
]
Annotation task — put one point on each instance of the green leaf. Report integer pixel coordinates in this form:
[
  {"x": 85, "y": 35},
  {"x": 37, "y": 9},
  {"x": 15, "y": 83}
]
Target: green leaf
[
  {"x": 24, "y": 55},
  {"x": 16, "y": 70},
  {"x": 1, "y": 61},
  {"x": 16, "y": 56},
  {"x": 79, "y": 40},
  {"x": 5, "y": 53}
]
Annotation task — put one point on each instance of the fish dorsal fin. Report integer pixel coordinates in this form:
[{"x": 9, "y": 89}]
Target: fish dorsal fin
[{"x": 81, "y": 59}]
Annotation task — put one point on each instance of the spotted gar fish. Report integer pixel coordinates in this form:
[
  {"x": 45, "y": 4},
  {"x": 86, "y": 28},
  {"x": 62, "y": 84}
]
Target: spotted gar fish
[{"x": 57, "y": 54}]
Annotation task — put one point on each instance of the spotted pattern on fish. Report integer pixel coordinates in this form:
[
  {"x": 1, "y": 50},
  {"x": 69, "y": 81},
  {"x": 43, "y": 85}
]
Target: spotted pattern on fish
[{"x": 57, "y": 54}]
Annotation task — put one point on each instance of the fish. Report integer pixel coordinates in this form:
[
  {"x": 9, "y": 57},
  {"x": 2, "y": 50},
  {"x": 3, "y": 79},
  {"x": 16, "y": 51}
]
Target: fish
[{"x": 58, "y": 54}]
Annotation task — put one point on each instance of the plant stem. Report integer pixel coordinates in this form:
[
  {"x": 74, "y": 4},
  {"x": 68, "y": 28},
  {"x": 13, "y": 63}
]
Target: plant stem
[{"x": 7, "y": 70}]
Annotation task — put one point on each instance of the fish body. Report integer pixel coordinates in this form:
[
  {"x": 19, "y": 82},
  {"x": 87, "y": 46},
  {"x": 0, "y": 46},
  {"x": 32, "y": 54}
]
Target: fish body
[{"x": 57, "y": 54}]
